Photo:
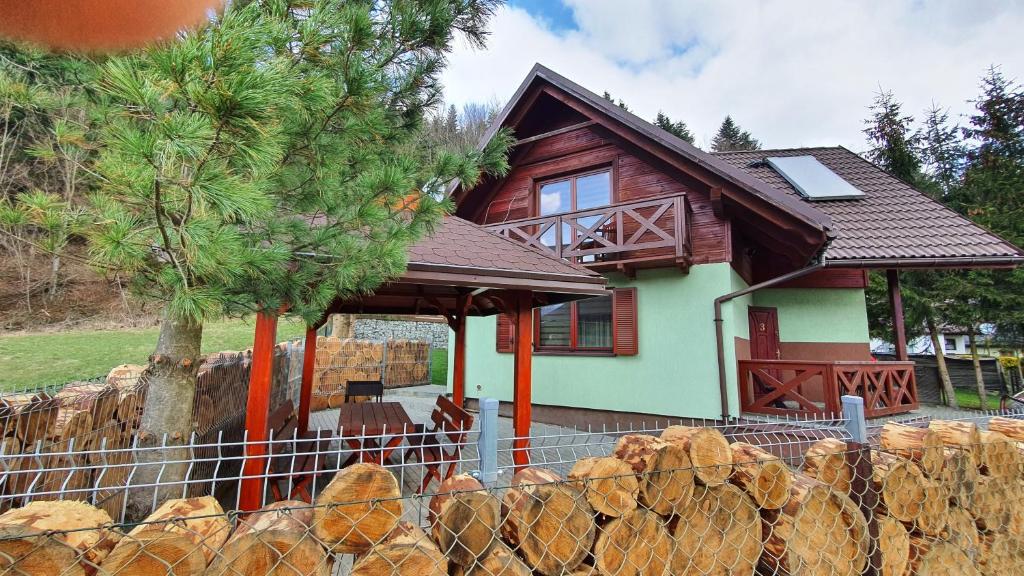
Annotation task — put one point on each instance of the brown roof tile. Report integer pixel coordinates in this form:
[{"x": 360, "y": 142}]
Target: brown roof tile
[
  {"x": 891, "y": 221},
  {"x": 457, "y": 242}
]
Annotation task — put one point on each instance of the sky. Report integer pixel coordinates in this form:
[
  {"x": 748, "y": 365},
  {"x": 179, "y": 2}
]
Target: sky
[{"x": 793, "y": 73}]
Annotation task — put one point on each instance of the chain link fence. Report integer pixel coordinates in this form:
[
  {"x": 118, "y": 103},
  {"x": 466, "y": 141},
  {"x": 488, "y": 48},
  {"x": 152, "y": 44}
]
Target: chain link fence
[{"x": 829, "y": 497}]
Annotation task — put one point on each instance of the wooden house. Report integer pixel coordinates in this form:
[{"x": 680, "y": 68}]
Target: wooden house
[{"x": 738, "y": 278}]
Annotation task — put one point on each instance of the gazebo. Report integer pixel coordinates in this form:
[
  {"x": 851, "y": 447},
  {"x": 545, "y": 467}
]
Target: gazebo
[{"x": 459, "y": 270}]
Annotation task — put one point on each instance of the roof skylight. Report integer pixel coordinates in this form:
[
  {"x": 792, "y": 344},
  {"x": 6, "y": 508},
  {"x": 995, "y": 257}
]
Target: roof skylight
[{"x": 812, "y": 179}]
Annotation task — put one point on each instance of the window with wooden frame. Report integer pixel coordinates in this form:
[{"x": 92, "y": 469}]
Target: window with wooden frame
[
  {"x": 605, "y": 324},
  {"x": 581, "y": 191}
]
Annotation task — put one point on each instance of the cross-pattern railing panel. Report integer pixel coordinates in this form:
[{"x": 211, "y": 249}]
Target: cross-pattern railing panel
[
  {"x": 886, "y": 387},
  {"x": 632, "y": 231},
  {"x": 788, "y": 387}
]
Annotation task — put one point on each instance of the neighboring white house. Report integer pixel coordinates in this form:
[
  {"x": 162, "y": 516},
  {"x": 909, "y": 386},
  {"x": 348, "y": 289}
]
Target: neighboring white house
[{"x": 954, "y": 341}]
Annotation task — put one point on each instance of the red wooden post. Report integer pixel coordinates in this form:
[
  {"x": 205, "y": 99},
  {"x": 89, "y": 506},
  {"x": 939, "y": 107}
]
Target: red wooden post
[
  {"x": 523, "y": 363},
  {"x": 257, "y": 411},
  {"x": 459, "y": 365},
  {"x": 896, "y": 306},
  {"x": 306, "y": 392}
]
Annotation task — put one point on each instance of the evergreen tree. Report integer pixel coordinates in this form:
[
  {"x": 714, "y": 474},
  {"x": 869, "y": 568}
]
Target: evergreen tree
[
  {"x": 731, "y": 137},
  {"x": 991, "y": 193},
  {"x": 943, "y": 153},
  {"x": 894, "y": 143},
  {"x": 677, "y": 128},
  {"x": 894, "y": 148},
  {"x": 608, "y": 96},
  {"x": 270, "y": 160}
]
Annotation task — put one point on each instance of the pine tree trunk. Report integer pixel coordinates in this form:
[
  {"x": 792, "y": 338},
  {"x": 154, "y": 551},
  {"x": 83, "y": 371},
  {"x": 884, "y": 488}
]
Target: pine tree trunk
[
  {"x": 171, "y": 389},
  {"x": 940, "y": 361},
  {"x": 979, "y": 379}
]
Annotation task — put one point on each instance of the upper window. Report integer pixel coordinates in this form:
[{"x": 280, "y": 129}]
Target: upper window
[
  {"x": 577, "y": 192},
  {"x": 951, "y": 344}
]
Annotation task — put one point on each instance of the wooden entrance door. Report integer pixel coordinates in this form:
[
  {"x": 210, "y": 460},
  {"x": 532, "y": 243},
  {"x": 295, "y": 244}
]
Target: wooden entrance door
[{"x": 764, "y": 333}]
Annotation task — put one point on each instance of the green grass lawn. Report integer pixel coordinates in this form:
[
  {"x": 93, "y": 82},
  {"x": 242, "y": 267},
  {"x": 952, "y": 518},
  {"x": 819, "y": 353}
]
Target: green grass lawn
[
  {"x": 42, "y": 359},
  {"x": 439, "y": 367},
  {"x": 35, "y": 360},
  {"x": 969, "y": 399}
]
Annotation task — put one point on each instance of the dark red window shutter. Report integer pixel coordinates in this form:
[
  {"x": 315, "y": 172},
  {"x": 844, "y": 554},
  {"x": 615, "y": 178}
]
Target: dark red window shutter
[
  {"x": 624, "y": 323},
  {"x": 506, "y": 330}
]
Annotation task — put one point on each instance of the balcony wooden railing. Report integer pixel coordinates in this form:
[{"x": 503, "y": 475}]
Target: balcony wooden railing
[
  {"x": 790, "y": 387},
  {"x": 646, "y": 231}
]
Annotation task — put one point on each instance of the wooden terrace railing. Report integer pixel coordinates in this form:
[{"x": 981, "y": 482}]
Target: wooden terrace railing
[
  {"x": 809, "y": 388},
  {"x": 627, "y": 233}
]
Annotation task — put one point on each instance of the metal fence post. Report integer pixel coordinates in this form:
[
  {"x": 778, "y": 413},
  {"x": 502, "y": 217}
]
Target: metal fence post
[
  {"x": 858, "y": 458},
  {"x": 384, "y": 362},
  {"x": 487, "y": 443},
  {"x": 853, "y": 414}
]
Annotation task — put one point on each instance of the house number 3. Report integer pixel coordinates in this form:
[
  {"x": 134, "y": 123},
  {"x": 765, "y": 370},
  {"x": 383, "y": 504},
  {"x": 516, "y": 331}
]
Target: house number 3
[{"x": 762, "y": 327}]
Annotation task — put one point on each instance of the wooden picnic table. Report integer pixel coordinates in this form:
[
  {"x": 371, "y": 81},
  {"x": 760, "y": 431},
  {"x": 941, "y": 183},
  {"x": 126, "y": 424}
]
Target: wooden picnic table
[{"x": 360, "y": 422}]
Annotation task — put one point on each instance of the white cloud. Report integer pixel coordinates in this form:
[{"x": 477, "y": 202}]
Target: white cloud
[{"x": 793, "y": 73}]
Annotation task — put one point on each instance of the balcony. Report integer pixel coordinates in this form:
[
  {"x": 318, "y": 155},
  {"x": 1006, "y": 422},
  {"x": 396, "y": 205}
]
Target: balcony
[
  {"x": 641, "y": 234},
  {"x": 813, "y": 388}
]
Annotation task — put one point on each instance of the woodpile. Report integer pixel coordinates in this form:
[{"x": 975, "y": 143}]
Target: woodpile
[
  {"x": 643, "y": 510},
  {"x": 407, "y": 363},
  {"x": 396, "y": 362},
  {"x": 819, "y": 531},
  {"x": 717, "y": 532}
]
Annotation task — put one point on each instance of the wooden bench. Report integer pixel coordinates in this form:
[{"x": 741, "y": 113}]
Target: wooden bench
[
  {"x": 298, "y": 461},
  {"x": 442, "y": 443}
]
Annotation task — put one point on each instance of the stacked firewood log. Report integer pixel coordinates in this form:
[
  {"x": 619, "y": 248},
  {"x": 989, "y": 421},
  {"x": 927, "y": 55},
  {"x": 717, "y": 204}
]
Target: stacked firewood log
[{"x": 686, "y": 502}]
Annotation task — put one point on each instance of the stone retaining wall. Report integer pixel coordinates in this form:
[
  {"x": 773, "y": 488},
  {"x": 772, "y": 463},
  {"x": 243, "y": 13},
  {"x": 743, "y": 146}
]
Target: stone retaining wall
[{"x": 376, "y": 329}]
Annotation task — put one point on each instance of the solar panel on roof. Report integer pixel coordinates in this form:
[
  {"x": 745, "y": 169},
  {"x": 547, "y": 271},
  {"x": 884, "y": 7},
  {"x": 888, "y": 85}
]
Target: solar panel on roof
[{"x": 812, "y": 179}]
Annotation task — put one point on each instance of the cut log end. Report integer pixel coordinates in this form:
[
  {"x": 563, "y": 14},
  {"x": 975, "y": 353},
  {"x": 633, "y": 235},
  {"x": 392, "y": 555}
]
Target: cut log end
[
  {"x": 358, "y": 508},
  {"x": 608, "y": 483},
  {"x": 556, "y": 529},
  {"x": 708, "y": 450}
]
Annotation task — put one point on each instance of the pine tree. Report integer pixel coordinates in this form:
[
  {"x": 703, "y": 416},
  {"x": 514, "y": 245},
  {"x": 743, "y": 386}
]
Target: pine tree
[
  {"x": 678, "y": 128},
  {"x": 731, "y": 137},
  {"x": 270, "y": 160}
]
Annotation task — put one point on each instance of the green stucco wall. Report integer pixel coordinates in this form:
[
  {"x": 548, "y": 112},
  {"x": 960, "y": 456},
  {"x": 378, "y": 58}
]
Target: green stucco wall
[
  {"x": 676, "y": 371},
  {"x": 674, "y": 374},
  {"x": 818, "y": 315}
]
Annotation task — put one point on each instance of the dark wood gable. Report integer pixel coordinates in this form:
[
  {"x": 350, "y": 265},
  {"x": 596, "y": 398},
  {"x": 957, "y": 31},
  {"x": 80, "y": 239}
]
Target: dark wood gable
[{"x": 559, "y": 134}]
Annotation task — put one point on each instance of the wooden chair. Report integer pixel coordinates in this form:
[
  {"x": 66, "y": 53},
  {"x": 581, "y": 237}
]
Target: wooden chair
[
  {"x": 356, "y": 388},
  {"x": 450, "y": 427},
  {"x": 298, "y": 462}
]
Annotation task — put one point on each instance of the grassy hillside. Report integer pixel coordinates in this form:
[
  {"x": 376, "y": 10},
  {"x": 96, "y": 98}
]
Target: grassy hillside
[
  {"x": 34, "y": 360},
  {"x": 39, "y": 359}
]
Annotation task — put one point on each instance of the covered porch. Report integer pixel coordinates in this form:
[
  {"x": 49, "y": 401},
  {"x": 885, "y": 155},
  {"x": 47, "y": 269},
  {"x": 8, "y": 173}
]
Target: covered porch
[
  {"x": 808, "y": 381},
  {"x": 460, "y": 270}
]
